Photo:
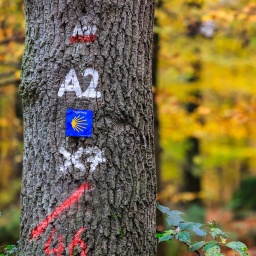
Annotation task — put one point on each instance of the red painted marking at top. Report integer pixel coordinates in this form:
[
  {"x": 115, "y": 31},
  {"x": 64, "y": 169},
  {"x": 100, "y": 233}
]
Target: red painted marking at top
[
  {"x": 40, "y": 228},
  {"x": 83, "y": 39}
]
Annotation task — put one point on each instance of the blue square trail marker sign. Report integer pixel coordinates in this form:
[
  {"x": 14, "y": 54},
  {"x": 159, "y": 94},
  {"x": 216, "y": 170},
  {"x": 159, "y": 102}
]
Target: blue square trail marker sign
[{"x": 79, "y": 123}]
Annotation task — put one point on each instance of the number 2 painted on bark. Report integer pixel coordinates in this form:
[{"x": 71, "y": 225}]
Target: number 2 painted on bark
[{"x": 91, "y": 90}]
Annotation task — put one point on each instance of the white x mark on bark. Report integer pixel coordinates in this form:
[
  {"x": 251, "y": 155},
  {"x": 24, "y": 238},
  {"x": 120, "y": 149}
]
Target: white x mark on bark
[
  {"x": 72, "y": 159},
  {"x": 94, "y": 157}
]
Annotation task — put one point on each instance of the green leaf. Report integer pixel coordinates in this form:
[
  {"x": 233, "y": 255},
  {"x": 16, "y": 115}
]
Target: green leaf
[
  {"x": 174, "y": 218},
  {"x": 195, "y": 227},
  {"x": 209, "y": 245},
  {"x": 10, "y": 250},
  {"x": 196, "y": 246},
  {"x": 239, "y": 247},
  {"x": 183, "y": 236},
  {"x": 217, "y": 232},
  {"x": 162, "y": 208},
  {"x": 213, "y": 251},
  {"x": 165, "y": 237}
]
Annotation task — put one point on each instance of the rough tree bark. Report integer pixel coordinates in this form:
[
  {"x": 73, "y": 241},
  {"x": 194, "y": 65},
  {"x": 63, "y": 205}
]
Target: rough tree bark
[{"x": 88, "y": 195}]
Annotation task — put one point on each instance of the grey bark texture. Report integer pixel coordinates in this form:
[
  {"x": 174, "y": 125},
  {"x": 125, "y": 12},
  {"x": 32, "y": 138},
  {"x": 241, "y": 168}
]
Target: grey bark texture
[{"x": 118, "y": 212}]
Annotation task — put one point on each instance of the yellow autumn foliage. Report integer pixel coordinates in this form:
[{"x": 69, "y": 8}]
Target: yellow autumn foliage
[{"x": 221, "y": 37}]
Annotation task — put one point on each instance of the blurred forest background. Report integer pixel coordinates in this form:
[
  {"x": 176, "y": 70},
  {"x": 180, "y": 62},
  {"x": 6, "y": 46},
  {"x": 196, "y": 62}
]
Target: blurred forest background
[{"x": 204, "y": 69}]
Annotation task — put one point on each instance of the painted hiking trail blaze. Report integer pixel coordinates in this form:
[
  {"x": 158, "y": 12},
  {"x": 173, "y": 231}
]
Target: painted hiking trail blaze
[
  {"x": 84, "y": 33},
  {"x": 79, "y": 122},
  {"x": 76, "y": 241},
  {"x": 94, "y": 157},
  {"x": 71, "y": 84}
]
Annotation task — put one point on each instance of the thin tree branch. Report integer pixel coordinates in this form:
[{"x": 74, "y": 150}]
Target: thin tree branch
[
  {"x": 159, "y": 215},
  {"x": 14, "y": 81},
  {"x": 11, "y": 64},
  {"x": 19, "y": 39},
  {"x": 7, "y": 74}
]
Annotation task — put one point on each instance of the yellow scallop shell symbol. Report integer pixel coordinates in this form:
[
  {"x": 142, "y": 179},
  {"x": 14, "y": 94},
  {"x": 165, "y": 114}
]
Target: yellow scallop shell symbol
[{"x": 78, "y": 123}]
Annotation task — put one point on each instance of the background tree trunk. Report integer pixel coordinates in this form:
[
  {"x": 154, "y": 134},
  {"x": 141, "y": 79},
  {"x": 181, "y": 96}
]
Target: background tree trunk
[
  {"x": 160, "y": 222},
  {"x": 192, "y": 179},
  {"x": 88, "y": 196}
]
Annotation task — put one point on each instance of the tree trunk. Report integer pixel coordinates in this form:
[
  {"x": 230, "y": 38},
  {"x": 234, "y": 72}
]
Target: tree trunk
[
  {"x": 94, "y": 194},
  {"x": 192, "y": 181}
]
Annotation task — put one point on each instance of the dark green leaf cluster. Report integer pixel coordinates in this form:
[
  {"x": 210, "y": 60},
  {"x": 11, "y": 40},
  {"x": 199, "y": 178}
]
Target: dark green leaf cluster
[
  {"x": 182, "y": 230},
  {"x": 10, "y": 250}
]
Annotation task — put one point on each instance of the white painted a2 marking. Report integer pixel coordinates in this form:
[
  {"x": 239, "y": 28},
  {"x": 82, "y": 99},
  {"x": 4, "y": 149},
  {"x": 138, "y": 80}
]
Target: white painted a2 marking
[
  {"x": 71, "y": 84},
  {"x": 94, "y": 157}
]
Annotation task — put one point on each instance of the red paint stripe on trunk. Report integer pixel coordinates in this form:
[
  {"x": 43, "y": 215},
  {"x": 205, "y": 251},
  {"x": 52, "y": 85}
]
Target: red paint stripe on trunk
[
  {"x": 83, "y": 39},
  {"x": 40, "y": 228}
]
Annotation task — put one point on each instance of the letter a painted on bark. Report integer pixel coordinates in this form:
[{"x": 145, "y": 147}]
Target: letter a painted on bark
[{"x": 70, "y": 84}]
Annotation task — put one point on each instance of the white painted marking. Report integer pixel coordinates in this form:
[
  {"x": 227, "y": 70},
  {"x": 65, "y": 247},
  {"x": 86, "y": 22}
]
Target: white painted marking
[
  {"x": 94, "y": 157},
  {"x": 77, "y": 30},
  {"x": 90, "y": 91},
  {"x": 84, "y": 29},
  {"x": 71, "y": 84},
  {"x": 71, "y": 159}
]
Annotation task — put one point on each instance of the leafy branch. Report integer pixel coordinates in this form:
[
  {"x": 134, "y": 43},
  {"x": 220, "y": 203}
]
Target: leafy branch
[
  {"x": 182, "y": 230},
  {"x": 10, "y": 250}
]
